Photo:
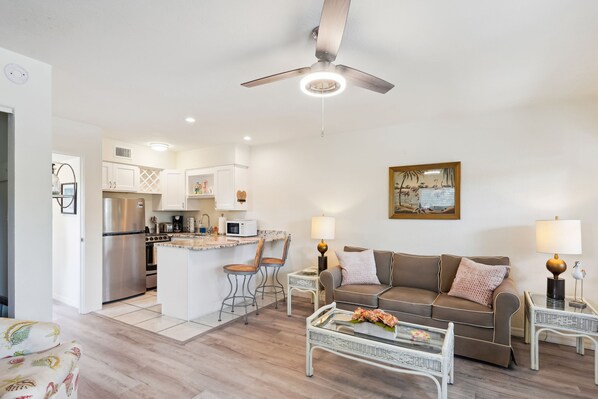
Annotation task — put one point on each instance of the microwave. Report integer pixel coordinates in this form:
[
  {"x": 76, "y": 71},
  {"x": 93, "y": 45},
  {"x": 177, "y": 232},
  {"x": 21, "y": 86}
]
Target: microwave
[{"x": 241, "y": 228}]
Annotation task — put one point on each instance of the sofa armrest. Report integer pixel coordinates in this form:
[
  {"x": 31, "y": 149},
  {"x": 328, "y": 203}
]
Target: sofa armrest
[
  {"x": 331, "y": 280},
  {"x": 22, "y": 337},
  {"x": 505, "y": 303}
]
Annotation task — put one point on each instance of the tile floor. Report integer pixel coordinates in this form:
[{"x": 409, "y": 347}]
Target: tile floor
[{"x": 144, "y": 312}]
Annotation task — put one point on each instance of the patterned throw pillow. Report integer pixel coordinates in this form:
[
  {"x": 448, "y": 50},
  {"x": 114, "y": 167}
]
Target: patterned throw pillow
[
  {"x": 476, "y": 282},
  {"x": 358, "y": 267}
]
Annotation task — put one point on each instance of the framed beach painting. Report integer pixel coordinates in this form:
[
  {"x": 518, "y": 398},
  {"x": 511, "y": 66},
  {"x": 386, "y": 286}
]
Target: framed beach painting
[{"x": 429, "y": 191}]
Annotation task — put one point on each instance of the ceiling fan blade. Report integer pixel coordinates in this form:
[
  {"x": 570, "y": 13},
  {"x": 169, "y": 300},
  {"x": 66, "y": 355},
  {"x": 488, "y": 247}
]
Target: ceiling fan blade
[
  {"x": 276, "y": 77},
  {"x": 332, "y": 26},
  {"x": 365, "y": 80}
]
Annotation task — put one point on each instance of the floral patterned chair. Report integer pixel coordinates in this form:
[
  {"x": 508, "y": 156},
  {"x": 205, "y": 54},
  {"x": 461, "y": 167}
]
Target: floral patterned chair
[{"x": 33, "y": 363}]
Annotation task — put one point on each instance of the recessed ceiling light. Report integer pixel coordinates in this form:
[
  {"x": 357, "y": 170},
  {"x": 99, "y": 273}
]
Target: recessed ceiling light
[
  {"x": 247, "y": 138},
  {"x": 190, "y": 119},
  {"x": 323, "y": 84},
  {"x": 159, "y": 146}
]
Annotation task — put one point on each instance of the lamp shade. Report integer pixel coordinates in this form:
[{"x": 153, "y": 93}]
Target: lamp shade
[
  {"x": 558, "y": 236},
  {"x": 322, "y": 228}
]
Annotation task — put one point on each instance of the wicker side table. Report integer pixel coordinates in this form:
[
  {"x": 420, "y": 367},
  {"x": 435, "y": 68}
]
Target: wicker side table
[
  {"x": 545, "y": 314},
  {"x": 306, "y": 280}
]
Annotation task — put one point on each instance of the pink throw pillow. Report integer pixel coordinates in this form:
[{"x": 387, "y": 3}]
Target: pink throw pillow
[
  {"x": 358, "y": 267},
  {"x": 476, "y": 282}
]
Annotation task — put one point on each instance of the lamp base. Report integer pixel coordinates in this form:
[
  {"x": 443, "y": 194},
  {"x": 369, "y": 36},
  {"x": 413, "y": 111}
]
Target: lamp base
[
  {"x": 555, "y": 288},
  {"x": 322, "y": 263}
]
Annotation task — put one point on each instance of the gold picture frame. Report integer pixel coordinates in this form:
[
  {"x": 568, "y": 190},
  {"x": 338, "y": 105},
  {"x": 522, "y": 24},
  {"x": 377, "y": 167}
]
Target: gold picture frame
[{"x": 430, "y": 191}]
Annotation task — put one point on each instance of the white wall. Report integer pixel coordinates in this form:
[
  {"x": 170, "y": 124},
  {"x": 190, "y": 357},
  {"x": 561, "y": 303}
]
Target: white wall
[
  {"x": 141, "y": 155},
  {"x": 66, "y": 239},
  {"x": 517, "y": 167},
  {"x": 85, "y": 141},
  {"x": 30, "y": 213}
]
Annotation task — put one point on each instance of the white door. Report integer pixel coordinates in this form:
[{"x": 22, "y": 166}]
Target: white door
[
  {"x": 173, "y": 190},
  {"x": 126, "y": 177},
  {"x": 225, "y": 188},
  {"x": 107, "y": 183}
]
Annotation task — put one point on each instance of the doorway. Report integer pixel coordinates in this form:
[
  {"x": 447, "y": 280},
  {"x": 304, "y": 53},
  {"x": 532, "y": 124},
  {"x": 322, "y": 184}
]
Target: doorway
[
  {"x": 4, "y": 148},
  {"x": 66, "y": 231}
]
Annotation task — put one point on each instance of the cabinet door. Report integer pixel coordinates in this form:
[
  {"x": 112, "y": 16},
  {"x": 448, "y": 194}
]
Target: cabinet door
[
  {"x": 107, "y": 183},
  {"x": 126, "y": 177},
  {"x": 225, "y": 188},
  {"x": 173, "y": 190},
  {"x": 241, "y": 184}
]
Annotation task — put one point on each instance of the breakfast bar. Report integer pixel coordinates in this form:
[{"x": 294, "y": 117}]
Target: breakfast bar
[{"x": 191, "y": 282}]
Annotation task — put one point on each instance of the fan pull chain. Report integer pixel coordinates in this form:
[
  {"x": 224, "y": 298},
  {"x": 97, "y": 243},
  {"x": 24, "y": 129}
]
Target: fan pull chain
[{"x": 322, "y": 133}]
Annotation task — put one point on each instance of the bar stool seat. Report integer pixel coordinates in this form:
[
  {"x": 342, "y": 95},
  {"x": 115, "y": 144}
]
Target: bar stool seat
[
  {"x": 272, "y": 262},
  {"x": 241, "y": 270},
  {"x": 275, "y": 287}
]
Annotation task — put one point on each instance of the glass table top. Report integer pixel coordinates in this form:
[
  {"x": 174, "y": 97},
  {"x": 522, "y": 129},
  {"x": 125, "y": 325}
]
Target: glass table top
[
  {"x": 307, "y": 272},
  {"x": 542, "y": 301},
  {"x": 339, "y": 320}
]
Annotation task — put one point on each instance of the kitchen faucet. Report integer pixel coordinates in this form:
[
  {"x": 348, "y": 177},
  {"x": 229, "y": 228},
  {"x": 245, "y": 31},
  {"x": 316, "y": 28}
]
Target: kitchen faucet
[{"x": 201, "y": 220}]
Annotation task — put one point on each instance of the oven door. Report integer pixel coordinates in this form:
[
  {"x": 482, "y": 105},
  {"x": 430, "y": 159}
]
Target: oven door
[{"x": 233, "y": 229}]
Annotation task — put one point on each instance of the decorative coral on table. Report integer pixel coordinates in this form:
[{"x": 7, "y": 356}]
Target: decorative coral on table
[{"x": 375, "y": 316}]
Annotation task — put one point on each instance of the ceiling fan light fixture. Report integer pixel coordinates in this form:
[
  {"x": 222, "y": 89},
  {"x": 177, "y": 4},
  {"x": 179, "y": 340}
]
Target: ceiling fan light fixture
[{"x": 323, "y": 84}]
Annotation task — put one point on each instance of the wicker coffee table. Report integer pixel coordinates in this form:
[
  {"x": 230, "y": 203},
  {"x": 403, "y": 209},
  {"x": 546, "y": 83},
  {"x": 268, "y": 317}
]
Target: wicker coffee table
[
  {"x": 546, "y": 314},
  {"x": 328, "y": 329}
]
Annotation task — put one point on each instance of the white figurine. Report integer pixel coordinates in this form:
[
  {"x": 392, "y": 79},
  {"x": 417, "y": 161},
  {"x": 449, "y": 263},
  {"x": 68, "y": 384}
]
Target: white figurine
[{"x": 578, "y": 274}]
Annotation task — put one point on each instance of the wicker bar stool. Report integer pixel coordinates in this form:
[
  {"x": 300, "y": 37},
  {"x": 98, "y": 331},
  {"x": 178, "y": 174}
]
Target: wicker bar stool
[
  {"x": 275, "y": 264},
  {"x": 247, "y": 272}
]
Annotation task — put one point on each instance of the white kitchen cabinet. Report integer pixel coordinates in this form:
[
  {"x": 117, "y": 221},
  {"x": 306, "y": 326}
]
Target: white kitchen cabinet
[
  {"x": 172, "y": 182},
  {"x": 230, "y": 182},
  {"x": 119, "y": 177}
]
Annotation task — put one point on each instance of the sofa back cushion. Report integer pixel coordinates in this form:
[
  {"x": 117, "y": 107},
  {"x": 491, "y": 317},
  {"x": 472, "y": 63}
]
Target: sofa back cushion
[
  {"x": 416, "y": 271},
  {"x": 450, "y": 263},
  {"x": 383, "y": 262}
]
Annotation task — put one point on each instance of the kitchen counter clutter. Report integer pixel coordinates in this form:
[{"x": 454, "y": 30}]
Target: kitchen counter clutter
[
  {"x": 191, "y": 282},
  {"x": 196, "y": 242}
]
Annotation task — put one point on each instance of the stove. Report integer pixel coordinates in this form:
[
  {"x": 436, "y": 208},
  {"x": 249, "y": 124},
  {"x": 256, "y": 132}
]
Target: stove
[
  {"x": 150, "y": 238},
  {"x": 151, "y": 258}
]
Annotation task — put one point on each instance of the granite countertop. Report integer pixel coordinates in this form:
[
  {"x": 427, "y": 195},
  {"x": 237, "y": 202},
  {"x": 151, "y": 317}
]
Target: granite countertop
[{"x": 194, "y": 242}]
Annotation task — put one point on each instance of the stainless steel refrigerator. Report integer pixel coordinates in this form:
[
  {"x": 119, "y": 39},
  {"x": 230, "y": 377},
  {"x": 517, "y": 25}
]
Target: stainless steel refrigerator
[{"x": 124, "y": 248}]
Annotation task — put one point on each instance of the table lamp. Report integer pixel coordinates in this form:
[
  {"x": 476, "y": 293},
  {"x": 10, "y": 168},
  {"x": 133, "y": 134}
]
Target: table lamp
[
  {"x": 557, "y": 237},
  {"x": 322, "y": 228}
]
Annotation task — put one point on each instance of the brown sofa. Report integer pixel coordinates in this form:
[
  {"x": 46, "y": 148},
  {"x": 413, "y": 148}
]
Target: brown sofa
[{"x": 414, "y": 288}]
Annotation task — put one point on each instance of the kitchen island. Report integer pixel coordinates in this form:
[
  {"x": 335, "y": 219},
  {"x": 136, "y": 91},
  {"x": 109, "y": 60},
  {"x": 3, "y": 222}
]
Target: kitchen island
[{"x": 191, "y": 282}]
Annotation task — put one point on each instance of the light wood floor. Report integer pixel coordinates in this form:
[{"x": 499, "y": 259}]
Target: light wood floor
[{"x": 266, "y": 359}]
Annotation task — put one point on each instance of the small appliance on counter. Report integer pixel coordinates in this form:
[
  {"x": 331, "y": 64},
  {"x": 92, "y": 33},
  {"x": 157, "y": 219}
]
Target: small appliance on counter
[
  {"x": 241, "y": 228},
  {"x": 177, "y": 224},
  {"x": 166, "y": 227}
]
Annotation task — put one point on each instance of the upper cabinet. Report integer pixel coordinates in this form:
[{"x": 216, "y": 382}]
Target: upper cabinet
[
  {"x": 230, "y": 188},
  {"x": 172, "y": 182},
  {"x": 119, "y": 177}
]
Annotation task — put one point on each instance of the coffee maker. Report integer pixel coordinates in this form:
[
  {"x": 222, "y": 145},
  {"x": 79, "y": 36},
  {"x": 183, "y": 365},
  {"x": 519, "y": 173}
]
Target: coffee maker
[{"x": 177, "y": 223}]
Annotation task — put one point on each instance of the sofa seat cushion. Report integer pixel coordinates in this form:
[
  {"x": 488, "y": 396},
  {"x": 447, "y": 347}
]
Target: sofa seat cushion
[
  {"x": 41, "y": 375},
  {"x": 408, "y": 300},
  {"x": 458, "y": 310},
  {"x": 360, "y": 294}
]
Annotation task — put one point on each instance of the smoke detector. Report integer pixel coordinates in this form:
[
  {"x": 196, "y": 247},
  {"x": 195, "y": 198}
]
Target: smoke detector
[{"x": 16, "y": 73}]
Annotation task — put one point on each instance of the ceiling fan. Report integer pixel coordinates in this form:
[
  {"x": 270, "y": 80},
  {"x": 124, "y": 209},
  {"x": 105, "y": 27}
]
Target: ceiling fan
[{"x": 324, "y": 79}]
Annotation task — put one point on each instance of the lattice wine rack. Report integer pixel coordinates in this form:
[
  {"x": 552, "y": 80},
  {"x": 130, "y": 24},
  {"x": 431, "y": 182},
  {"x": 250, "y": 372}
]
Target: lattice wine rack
[{"x": 149, "y": 180}]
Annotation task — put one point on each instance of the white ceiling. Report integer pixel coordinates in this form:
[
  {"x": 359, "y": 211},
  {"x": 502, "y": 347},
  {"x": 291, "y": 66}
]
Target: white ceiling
[{"x": 137, "y": 68}]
